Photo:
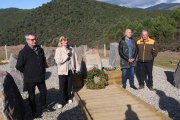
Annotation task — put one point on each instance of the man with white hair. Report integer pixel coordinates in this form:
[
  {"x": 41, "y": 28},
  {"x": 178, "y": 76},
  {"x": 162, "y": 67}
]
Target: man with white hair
[
  {"x": 128, "y": 54},
  {"x": 147, "y": 51},
  {"x": 32, "y": 63}
]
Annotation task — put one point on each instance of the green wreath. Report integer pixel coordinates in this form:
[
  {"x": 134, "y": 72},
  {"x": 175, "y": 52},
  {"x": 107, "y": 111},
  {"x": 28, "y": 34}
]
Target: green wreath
[{"x": 96, "y": 79}]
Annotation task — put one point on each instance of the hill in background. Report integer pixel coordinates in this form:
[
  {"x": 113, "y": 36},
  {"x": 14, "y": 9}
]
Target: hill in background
[
  {"x": 165, "y": 6},
  {"x": 10, "y": 16},
  {"x": 89, "y": 22}
]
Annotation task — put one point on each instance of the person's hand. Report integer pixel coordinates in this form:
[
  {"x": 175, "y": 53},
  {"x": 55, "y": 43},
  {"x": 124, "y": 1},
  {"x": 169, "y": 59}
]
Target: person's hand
[
  {"x": 68, "y": 59},
  {"x": 69, "y": 53},
  {"x": 131, "y": 60}
]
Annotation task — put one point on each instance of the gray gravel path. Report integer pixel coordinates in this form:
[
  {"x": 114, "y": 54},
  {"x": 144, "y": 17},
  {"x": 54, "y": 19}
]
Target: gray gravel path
[{"x": 165, "y": 98}]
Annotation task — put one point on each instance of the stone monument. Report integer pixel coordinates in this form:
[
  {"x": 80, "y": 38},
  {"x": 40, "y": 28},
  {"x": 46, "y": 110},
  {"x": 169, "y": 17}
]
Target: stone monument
[{"x": 114, "y": 58}]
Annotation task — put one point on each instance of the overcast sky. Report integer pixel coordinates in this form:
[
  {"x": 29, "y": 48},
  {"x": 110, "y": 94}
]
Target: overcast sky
[{"x": 139, "y": 3}]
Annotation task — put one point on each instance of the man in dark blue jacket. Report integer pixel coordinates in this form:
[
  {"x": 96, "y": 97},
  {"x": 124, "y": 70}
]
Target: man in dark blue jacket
[
  {"x": 32, "y": 63},
  {"x": 128, "y": 53}
]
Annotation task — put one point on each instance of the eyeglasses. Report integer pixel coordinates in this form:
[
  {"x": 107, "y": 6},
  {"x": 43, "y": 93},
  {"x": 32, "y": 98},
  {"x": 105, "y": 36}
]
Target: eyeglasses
[{"x": 32, "y": 39}]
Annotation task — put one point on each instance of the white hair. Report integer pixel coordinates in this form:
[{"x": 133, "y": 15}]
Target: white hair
[
  {"x": 27, "y": 36},
  {"x": 145, "y": 31},
  {"x": 127, "y": 29}
]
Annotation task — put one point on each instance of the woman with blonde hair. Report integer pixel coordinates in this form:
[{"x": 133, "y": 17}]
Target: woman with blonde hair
[{"x": 66, "y": 59}]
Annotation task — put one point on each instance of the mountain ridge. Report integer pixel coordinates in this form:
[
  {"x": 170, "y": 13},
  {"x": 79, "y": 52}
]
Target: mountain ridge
[{"x": 164, "y": 6}]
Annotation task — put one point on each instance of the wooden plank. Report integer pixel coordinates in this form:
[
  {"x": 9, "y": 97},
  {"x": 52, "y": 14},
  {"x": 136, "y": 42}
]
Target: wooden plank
[
  {"x": 112, "y": 103},
  {"x": 111, "y": 96}
]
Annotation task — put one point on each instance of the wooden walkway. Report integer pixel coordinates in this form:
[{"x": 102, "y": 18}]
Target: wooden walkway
[{"x": 115, "y": 103}]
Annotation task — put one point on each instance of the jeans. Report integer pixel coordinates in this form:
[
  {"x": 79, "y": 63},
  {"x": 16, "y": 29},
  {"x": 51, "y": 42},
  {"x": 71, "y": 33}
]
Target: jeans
[
  {"x": 65, "y": 87},
  {"x": 145, "y": 69},
  {"x": 128, "y": 73}
]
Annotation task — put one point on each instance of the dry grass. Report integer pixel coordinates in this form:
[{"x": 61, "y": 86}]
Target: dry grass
[
  {"x": 167, "y": 62},
  {"x": 167, "y": 59},
  {"x": 114, "y": 76},
  {"x": 11, "y": 49}
]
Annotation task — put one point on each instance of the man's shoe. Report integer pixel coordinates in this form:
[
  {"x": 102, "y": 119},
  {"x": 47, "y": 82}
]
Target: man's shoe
[
  {"x": 124, "y": 87},
  {"x": 36, "y": 115},
  {"x": 151, "y": 89},
  {"x": 48, "y": 109},
  {"x": 134, "y": 87},
  {"x": 141, "y": 87}
]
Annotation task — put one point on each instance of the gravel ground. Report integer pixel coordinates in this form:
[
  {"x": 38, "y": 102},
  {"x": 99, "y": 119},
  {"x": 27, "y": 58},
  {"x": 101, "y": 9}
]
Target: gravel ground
[
  {"x": 70, "y": 111},
  {"x": 165, "y": 98}
]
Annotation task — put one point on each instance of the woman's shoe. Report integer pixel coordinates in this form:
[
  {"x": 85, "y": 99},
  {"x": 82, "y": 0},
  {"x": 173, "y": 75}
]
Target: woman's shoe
[
  {"x": 69, "y": 101},
  {"x": 59, "y": 106}
]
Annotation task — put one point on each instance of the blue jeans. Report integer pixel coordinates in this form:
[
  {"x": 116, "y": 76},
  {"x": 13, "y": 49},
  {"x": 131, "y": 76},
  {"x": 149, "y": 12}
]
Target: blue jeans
[{"x": 128, "y": 73}]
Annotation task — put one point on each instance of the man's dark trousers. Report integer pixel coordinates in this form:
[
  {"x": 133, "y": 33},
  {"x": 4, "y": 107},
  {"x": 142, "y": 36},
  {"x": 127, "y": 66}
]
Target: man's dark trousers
[
  {"x": 145, "y": 73},
  {"x": 31, "y": 91}
]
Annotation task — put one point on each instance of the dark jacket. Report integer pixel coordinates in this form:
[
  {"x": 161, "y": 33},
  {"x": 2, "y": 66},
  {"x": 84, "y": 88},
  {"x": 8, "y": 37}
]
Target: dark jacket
[
  {"x": 147, "y": 50},
  {"x": 31, "y": 64},
  {"x": 124, "y": 53}
]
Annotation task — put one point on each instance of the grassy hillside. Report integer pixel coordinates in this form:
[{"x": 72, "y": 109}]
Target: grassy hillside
[{"x": 88, "y": 22}]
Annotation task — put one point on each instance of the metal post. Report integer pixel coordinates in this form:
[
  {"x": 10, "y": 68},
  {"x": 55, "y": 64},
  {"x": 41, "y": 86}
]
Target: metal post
[
  {"x": 104, "y": 50},
  {"x": 6, "y": 52}
]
